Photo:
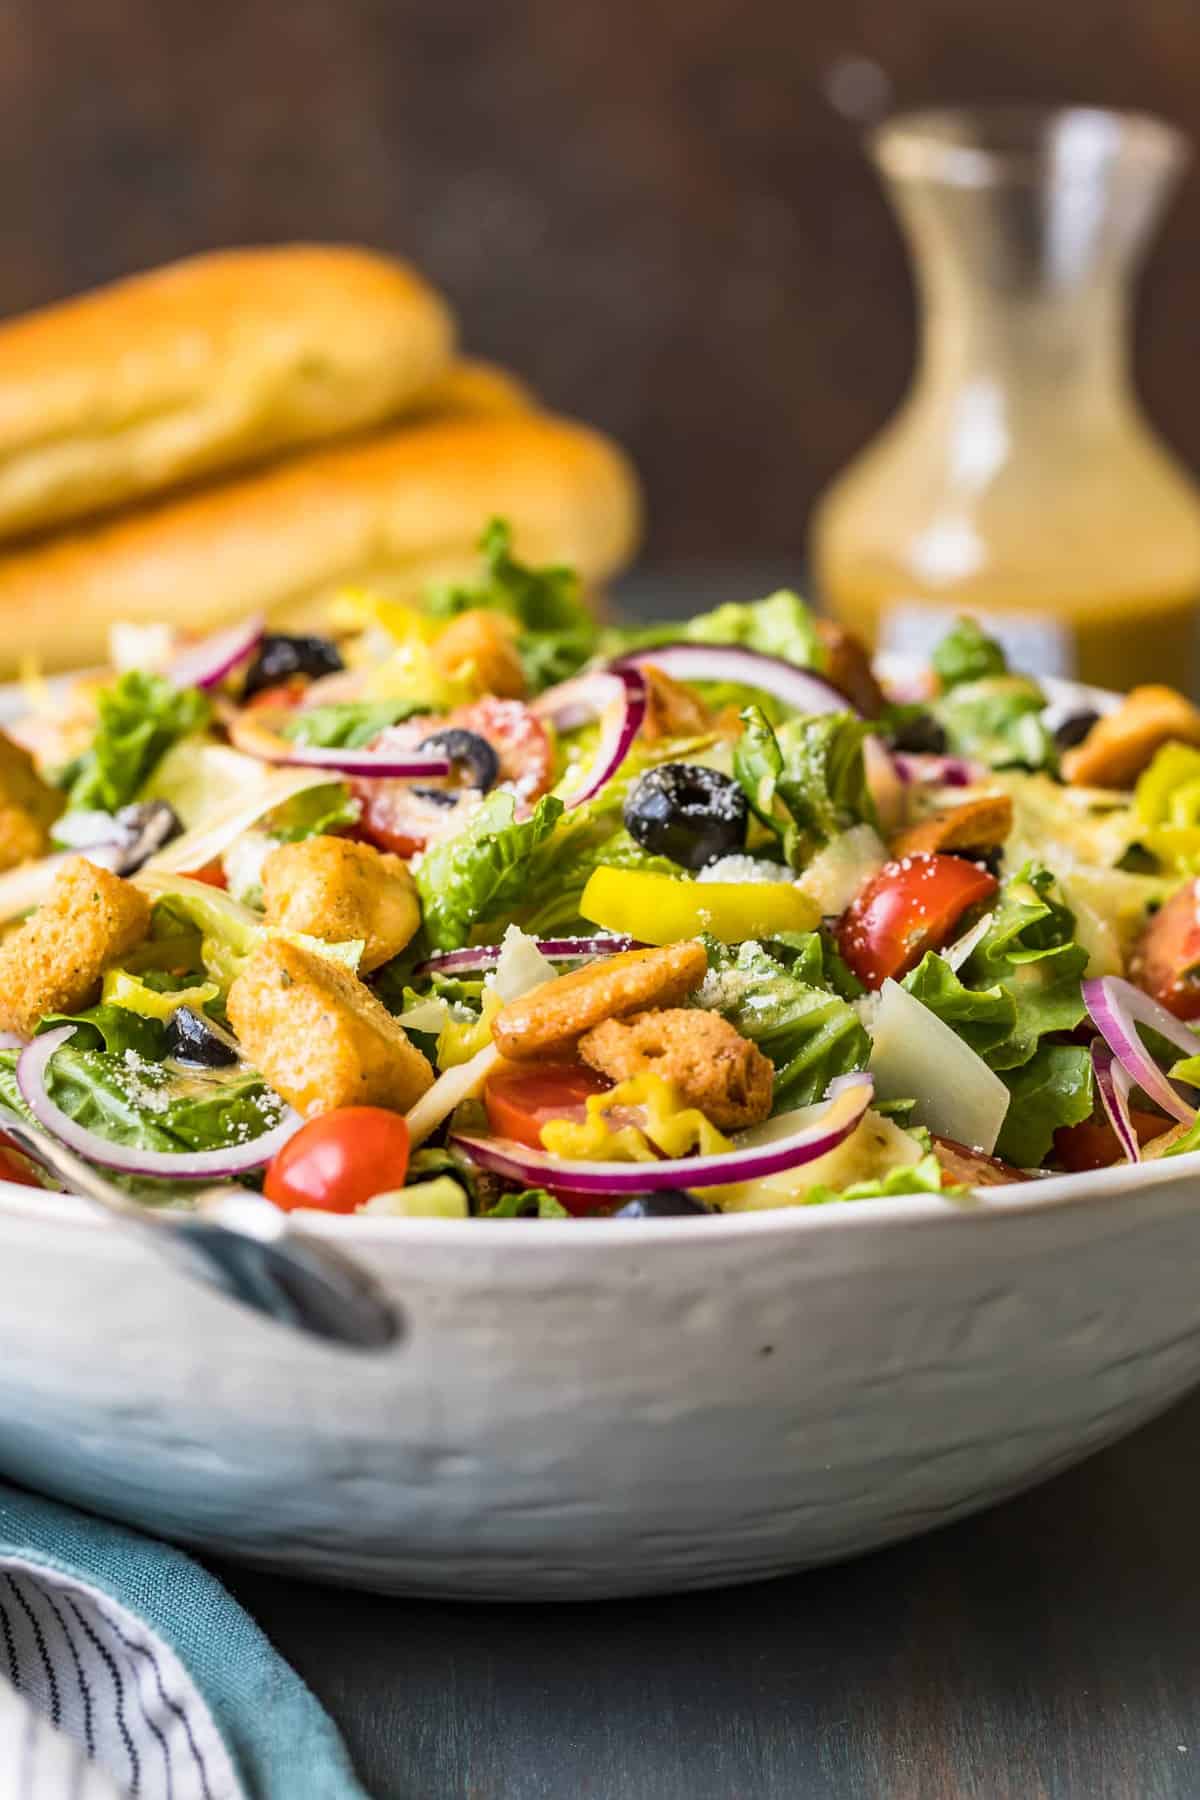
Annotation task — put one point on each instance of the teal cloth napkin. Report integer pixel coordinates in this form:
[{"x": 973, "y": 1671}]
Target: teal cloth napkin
[{"x": 127, "y": 1670}]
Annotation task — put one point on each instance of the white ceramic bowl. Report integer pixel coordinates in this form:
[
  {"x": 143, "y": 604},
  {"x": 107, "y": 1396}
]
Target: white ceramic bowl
[{"x": 610, "y": 1407}]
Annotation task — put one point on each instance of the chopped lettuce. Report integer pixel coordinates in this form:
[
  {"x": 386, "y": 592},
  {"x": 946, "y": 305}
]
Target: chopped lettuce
[
  {"x": 112, "y": 1028},
  {"x": 924, "y": 1177},
  {"x": 806, "y": 781},
  {"x": 770, "y": 994},
  {"x": 781, "y": 625},
  {"x": 1029, "y": 952},
  {"x": 528, "y": 1203},
  {"x": 131, "y": 1099},
  {"x": 139, "y": 718},
  {"x": 966, "y": 653},
  {"x": 1020, "y": 987},
  {"x": 556, "y": 632},
  {"x": 998, "y": 720},
  {"x": 1053, "y": 1088},
  {"x": 483, "y": 873},
  {"x": 347, "y": 724},
  {"x": 318, "y": 811}
]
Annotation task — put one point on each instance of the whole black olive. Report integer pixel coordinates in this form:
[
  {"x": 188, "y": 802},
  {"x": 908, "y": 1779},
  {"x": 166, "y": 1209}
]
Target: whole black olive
[
  {"x": 135, "y": 831},
  {"x": 920, "y": 736},
  {"x": 1074, "y": 728},
  {"x": 191, "y": 1038},
  {"x": 280, "y": 656},
  {"x": 663, "y": 1203},
  {"x": 471, "y": 755},
  {"x": 688, "y": 813}
]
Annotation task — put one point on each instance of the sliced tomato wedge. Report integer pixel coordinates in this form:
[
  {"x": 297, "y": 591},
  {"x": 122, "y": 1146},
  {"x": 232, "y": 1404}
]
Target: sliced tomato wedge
[
  {"x": 15, "y": 1166},
  {"x": 1095, "y": 1145},
  {"x": 402, "y": 818},
  {"x": 337, "y": 1162},
  {"x": 520, "y": 1101},
  {"x": 911, "y": 906},
  {"x": 1166, "y": 959}
]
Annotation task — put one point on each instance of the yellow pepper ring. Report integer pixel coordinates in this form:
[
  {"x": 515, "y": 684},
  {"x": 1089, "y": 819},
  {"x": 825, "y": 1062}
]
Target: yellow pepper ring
[{"x": 659, "y": 909}]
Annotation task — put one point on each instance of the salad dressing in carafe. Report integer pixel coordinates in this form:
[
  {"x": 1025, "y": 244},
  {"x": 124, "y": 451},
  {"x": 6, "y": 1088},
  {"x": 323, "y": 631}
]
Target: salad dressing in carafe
[{"x": 1019, "y": 480}]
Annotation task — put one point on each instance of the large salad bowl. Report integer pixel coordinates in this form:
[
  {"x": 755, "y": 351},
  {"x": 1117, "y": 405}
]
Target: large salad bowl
[{"x": 584, "y": 1409}]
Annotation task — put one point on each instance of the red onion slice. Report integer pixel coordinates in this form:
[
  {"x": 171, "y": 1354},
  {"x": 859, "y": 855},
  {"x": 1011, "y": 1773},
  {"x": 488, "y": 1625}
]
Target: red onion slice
[
  {"x": 937, "y": 771},
  {"x": 9, "y": 1040},
  {"x": 247, "y": 735},
  {"x": 204, "y": 664},
  {"x": 476, "y": 959},
  {"x": 621, "y": 693},
  {"x": 1116, "y": 1009},
  {"x": 849, "y": 1097},
  {"x": 798, "y": 688},
  {"x": 187, "y": 1165},
  {"x": 1113, "y": 1084}
]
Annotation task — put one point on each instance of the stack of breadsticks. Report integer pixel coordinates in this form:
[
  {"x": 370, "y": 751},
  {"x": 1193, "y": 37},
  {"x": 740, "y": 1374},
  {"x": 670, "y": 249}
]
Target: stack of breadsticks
[{"x": 257, "y": 430}]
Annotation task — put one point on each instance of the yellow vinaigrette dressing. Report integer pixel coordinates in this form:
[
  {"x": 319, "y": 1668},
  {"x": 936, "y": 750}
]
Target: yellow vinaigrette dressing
[{"x": 1019, "y": 480}]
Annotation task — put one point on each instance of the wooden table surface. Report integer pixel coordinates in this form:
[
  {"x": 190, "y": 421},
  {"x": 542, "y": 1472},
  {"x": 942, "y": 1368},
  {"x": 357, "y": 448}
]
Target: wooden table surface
[{"x": 1049, "y": 1647}]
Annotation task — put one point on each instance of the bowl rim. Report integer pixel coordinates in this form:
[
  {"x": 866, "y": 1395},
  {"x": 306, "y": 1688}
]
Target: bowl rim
[{"x": 988, "y": 1205}]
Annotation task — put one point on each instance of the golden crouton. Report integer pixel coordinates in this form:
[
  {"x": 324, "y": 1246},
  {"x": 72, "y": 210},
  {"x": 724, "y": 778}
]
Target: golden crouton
[
  {"x": 319, "y": 1037},
  {"x": 1123, "y": 743},
  {"x": 672, "y": 710},
  {"x": 54, "y": 961},
  {"x": 978, "y": 824},
  {"x": 334, "y": 889},
  {"x": 848, "y": 668},
  {"x": 480, "y": 647},
  {"x": 555, "y": 1016},
  {"x": 709, "y": 1063},
  {"x": 28, "y": 806}
]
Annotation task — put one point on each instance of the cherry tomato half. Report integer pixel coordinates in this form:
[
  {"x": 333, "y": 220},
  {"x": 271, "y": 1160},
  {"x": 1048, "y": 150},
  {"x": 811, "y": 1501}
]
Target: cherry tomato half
[
  {"x": 1094, "y": 1144},
  {"x": 338, "y": 1161},
  {"x": 1166, "y": 958},
  {"x": 15, "y": 1166},
  {"x": 397, "y": 819},
  {"x": 911, "y": 906},
  {"x": 520, "y": 1101}
]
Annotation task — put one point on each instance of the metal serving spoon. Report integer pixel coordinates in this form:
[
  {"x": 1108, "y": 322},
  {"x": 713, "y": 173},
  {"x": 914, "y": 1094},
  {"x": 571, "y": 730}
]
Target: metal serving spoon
[{"x": 242, "y": 1245}]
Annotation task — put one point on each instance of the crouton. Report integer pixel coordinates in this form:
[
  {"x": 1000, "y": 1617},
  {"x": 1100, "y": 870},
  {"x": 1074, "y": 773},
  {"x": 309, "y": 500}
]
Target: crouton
[
  {"x": 672, "y": 709},
  {"x": 979, "y": 824},
  {"x": 334, "y": 889},
  {"x": 1123, "y": 743},
  {"x": 848, "y": 669},
  {"x": 54, "y": 961},
  {"x": 555, "y": 1016},
  {"x": 708, "y": 1063},
  {"x": 319, "y": 1037},
  {"x": 28, "y": 806},
  {"x": 480, "y": 647}
]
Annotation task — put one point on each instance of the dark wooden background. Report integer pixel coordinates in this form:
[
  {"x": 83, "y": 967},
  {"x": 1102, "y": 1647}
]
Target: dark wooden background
[{"x": 657, "y": 209}]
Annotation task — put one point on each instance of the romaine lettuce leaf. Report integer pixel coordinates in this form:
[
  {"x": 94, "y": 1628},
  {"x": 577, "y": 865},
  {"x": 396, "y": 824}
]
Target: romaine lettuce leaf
[
  {"x": 806, "y": 781},
  {"x": 557, "y": 632},
  {"x": 997, "y": 720},
  {"x": 132, "y": 1100},
  {"x": 1053, "y": 1088},
  {"x": 528, "y": 1203},
  {"x": 347, "y": 724},
  {"x": 809, "y": 1033},
  {"x": 966, "y": 653},
  {"x": 483, "y": 873},
  {"x": 781, "y": 625},
  {"x": 924, "y": 1177},
  {"x": 1030, "y": 953},
  {"x": 138, "y": 719}
]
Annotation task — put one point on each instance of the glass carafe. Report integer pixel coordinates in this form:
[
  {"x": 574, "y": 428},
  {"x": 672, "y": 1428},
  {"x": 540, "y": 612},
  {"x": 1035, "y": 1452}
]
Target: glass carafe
[{"x": 1019, "y": 480}]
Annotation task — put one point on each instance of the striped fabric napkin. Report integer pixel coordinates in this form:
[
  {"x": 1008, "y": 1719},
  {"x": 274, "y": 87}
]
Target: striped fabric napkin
[{"x": 127, "y": 1670}]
